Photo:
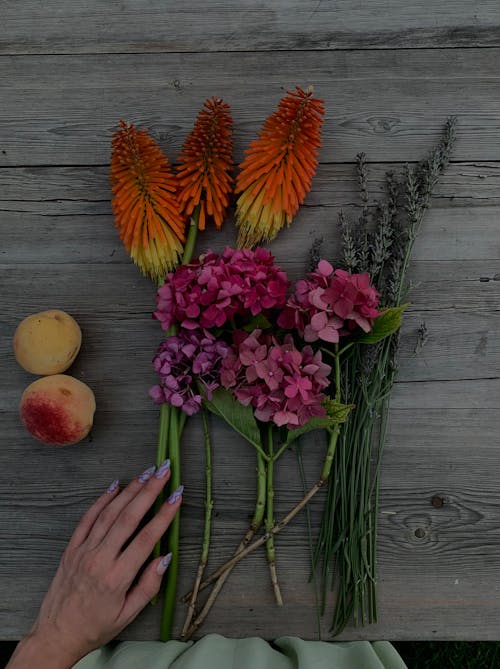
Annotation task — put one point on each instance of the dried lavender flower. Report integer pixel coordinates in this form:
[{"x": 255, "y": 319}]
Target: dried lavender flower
[
  {"x": 315, "y": 254},
  {"x": 349, "y": 251}
]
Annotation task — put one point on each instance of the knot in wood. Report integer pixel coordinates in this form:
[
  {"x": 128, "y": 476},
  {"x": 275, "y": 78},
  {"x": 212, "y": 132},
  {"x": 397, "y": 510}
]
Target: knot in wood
[{"x": 437, "y": 501}]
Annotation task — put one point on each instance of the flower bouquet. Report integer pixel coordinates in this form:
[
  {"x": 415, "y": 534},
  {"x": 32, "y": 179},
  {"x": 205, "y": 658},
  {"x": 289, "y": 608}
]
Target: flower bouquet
[{"x": 274, "y": 361}]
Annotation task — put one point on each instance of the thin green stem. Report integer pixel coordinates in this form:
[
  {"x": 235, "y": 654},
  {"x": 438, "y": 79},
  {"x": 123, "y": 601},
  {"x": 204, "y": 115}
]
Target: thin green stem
[
  {"x": 337, "y": 373},
  {"x": 207, "y": 525},
  {"x": 259, "y": 450},
  {"x": 173, "y": 532},
  {"x": 270, "y": 549},
  {"x": 280, "y": 452},
  {"x": 313, "y": 578},
  {"x": 208, "y": 489},
  {"x": 260, "y": 504},
  {"x": 191, "y": 237},
  {"x": 221, "y": 576}
]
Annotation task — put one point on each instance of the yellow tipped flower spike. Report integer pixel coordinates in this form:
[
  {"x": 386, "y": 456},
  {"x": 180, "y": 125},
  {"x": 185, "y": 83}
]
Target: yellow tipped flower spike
[
  {"x": 147, "y": 212},
  {"x": 277, "y": 172}
]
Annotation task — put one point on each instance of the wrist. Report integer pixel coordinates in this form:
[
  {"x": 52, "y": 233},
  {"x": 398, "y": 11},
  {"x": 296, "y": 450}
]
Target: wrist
[{"x": 38, "y": 649}]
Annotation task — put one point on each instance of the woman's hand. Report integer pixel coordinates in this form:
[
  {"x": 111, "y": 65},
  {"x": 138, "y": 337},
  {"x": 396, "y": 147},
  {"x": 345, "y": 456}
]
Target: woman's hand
[{"x": 94, "y": 594}]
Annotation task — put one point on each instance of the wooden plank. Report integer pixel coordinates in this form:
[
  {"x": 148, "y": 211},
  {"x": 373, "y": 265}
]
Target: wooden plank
[
  {"x": 61, "y": 110},
  {"x": 52, "y": 190},
  {"x": 69, "y": 27},
  {"x": 68, "y": 204},
  {"x": 450, "y": 565},
  {"x": 121, "y": 291}
]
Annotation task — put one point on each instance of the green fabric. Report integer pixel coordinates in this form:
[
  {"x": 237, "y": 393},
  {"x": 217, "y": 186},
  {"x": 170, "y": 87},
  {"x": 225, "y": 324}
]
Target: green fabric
[{"x": 217, "y": 652}]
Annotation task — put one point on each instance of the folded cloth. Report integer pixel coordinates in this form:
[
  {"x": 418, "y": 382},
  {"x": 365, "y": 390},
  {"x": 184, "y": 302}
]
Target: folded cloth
[{"x": 217, "y": 652}]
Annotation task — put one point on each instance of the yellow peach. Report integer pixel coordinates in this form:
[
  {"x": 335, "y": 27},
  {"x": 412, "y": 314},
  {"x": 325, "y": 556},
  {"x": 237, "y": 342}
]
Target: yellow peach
[
  {"x": 47, "y": 342},
  {"x": 58, "y": 409}
]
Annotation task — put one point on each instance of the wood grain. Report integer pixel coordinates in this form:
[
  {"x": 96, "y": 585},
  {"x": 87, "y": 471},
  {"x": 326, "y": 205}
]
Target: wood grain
[
  {"x": 61, "y": 110},
  {"x": 131, "y": 27},
  {"x": 72, "y": 204}
]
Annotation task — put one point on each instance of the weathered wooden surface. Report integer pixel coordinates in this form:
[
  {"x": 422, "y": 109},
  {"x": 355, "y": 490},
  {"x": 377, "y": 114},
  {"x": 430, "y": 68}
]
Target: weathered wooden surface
[
  {"x": 390, "y": 73},
  {"x": 371, "y": 99},
  {"x": 245, "y": 25}
]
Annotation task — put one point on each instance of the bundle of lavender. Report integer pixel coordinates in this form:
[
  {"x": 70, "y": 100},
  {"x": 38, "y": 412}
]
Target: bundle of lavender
[{"x": 380, "y": 243}]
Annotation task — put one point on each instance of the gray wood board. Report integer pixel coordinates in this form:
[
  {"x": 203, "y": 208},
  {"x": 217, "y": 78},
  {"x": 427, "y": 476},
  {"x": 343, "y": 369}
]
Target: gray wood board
[
  {"x": 72, "y": 205},
  {"x": 67, "y": 26},
  {"x": 61, "y": 110}
]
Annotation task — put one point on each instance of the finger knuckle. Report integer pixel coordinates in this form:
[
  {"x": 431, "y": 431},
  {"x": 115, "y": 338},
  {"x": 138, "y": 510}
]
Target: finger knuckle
[
  {"x": 147, "y": 537},
  {"x": 149, "y": 589},
  {"x": 106, "y": 516},
  {"x": 110, "y": 581},
  {"x": 129, "y": 518}
]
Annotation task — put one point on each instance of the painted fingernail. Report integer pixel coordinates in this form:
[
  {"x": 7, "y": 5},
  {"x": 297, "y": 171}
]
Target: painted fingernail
[
  {"x": 113, "y": 486},
  {"x": 174, "y": 497},
  {"x": 163, "y": 469},
  {"x": 145, "y": 476},
  {"x": 163, "y": 564}
]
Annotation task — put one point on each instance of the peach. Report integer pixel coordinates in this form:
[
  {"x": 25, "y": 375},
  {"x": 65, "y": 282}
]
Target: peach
[
  {"x": 47, "y": 342},
  {"x": 58, "y": 409}
]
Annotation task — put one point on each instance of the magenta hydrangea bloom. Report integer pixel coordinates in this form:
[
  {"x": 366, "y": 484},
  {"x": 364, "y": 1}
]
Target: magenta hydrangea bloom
[
  {"x": 181, "y": 361},
  {"x": 330, "y": 303},
  {"x": 214, "y": 289},
  {"x": 282, "y": 384}
]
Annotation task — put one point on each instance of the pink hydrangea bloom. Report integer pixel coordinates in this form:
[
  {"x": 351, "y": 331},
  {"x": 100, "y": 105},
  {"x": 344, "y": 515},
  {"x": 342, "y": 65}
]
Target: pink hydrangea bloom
[
  {"x": 214, "y": 289},
  {"x": 183, "y": 360},
  {"x": 283, "y": 385},
  {"x": 330, "y": 303}
]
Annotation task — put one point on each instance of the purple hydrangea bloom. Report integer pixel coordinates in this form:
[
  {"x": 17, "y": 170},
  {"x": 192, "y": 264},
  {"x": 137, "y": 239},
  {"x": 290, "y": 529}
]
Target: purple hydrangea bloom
[{"x": 182, "y": 361}]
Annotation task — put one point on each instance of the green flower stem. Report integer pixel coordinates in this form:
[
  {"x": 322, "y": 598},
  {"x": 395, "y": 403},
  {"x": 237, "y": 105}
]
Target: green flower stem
[
  {"x": 173, "y": 532},
  {"x": 161, "y": 455},
  {"x": 243, "y": 551},
  {"x": 171, "y": 426},
  {"x": 191, "y": 237},
  {"x": 207, "y": 527},
  {"x": 221, "y": 575},
  {"x": 280, "y": 452},
  {"x": 270, "y": 550},
  {"x": 278, "y": 527}
]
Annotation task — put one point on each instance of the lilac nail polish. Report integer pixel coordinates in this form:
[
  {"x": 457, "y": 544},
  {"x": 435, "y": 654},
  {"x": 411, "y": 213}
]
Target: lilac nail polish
[
  {"x": 145, "y": 476},
  {"x": 113, "y": 486},
  {"x": 164, "y": 563},
  {"x": 163, "y": 469},
  {"x": 174, "y": 497}
]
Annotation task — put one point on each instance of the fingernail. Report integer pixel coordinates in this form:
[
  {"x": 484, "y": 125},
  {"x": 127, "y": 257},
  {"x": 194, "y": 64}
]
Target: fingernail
[
  {"x": 145, "y": 476},
  {"x": 113, "y": 486},
  {"x": 163, "y": 564},
  {"x": 163, "y": 469},
  {"x": 175, "y": 495}
]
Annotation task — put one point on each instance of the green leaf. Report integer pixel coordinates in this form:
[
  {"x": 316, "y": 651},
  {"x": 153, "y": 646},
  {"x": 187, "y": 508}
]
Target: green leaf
[
  {"x": 336, "y": 411},
  {"x": 257, "y": 322},
  {"x": 312, "y": 424},
  {"x": 386, "y": 324},
  {"x": 225, "y": 405}
]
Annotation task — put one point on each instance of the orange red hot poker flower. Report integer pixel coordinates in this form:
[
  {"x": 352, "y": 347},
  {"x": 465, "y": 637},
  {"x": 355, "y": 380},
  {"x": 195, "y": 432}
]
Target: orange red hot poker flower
[
  {"x": 277, "y": 172},
  {"x": 147, "y": 212},
  {"x": 205, "y": 164}
]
